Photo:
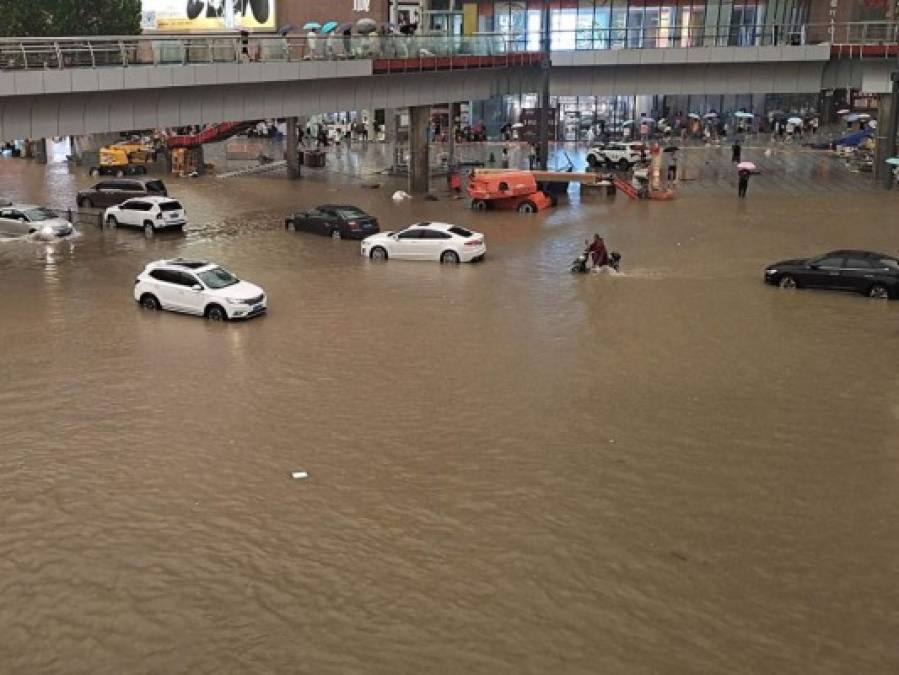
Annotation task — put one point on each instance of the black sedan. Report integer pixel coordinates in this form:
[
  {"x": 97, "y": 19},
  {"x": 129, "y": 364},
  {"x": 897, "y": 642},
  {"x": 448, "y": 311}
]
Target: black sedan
[
  {"x": 873, "y": 274},
  {"x": 335, "y": 220}
]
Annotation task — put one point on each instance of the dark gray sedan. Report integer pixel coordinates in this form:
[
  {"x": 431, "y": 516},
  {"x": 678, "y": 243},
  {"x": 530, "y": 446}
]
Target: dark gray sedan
[{"x": 873, "y": 274}]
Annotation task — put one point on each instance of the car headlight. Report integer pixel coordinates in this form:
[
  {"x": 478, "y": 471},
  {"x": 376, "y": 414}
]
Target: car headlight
[
  {"x": 235, "y": 301},
  {"x": 47, "y": 230},
  {"x": 771, "y": 271}
]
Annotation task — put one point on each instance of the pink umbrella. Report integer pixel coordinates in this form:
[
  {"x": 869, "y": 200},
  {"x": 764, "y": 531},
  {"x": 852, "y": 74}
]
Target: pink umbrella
[{"x": 746, "y": 166}]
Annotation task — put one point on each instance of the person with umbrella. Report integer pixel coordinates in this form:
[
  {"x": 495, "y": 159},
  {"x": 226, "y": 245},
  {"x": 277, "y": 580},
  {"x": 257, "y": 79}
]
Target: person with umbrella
[
  {"x": 736, "y": 151},
  {"x": 672, "y": 162},
  {"x": 744, "y": 170}
]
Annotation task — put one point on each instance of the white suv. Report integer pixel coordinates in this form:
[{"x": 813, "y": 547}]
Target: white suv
[
  {"x": 150, "y": 213},
  {"x": 620, "y": 155},
  {"x": 197, "y": 287}
]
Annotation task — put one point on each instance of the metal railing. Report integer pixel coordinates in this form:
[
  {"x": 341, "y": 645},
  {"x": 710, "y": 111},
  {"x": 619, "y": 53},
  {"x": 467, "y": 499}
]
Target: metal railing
[
  {"x": 61, "y": 53},
  {"x": 92, "y": 52}
]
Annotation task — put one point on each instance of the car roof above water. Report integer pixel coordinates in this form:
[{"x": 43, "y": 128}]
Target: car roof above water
[{"x": 183, "y": 263}]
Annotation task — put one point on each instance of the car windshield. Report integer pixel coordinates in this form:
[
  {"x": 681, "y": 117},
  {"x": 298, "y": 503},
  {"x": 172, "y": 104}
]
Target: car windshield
[
  {"x": 892, "y": 263},
  {"x": 170, "y": 206},
  {"x": 350, "y": 212},
  {"x": 218, "y": 277},
  {"x": 460, "y": 231},
  {"x": 40, "y": 213}
]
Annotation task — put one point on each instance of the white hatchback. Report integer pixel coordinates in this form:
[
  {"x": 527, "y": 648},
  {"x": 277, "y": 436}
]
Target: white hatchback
[
  {"x": 427, "y": 241},
  {"x": 198, "y": 287},
  {"x": 150, "y": 213}
]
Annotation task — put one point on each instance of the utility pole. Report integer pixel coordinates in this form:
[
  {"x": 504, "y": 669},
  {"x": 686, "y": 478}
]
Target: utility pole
[{"x": 543, "y": 117}]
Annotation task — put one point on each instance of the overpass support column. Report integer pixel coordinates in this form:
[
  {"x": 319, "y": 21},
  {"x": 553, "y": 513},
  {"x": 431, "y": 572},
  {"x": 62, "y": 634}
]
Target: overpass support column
[
  {"x": 293, "y": 157},
  {"x": 419, "y": 157},
  {"x": 888, "y": 108}
]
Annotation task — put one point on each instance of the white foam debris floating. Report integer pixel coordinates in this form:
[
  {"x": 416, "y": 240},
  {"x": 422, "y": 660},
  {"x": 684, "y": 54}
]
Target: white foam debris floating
[
  {"x": 298, "y": 475},
  {"x": 400, "y": 195}
]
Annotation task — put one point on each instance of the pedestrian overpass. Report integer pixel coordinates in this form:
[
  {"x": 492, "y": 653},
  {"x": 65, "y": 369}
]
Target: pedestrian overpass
[{"x": 71, "y": 86}]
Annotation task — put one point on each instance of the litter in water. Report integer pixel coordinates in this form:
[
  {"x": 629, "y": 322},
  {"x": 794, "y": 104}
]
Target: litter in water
[
  {"x": 297, "y": 475},
  {"x": 400, "y": 195}
]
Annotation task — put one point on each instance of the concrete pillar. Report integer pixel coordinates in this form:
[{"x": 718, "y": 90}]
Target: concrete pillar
[
  {"x": 390, "y": 125},
  {"x": 419, "y": 157},
  {"x": 293, "y": 158},
  {"x": 451, "y": 141},
  {"x": 40, "y": 150},
  {"x": 888, "y": 112}
]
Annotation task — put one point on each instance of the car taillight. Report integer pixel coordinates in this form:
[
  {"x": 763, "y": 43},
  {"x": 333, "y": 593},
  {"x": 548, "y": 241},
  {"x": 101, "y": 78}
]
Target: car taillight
[
  {"x": 353, "y": 224},
  {"x": 476, "y": 242}
]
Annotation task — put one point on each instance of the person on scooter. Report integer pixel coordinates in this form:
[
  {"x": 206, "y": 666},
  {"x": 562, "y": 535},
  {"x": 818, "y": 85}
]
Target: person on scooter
[{"x": 598, "y": 252}]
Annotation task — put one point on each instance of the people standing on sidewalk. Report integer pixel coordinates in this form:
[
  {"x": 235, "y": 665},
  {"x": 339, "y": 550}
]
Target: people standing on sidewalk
[
  {"x": 743, "y": 183},
  {"x": 505, "y": 160},
  {"x": 736, "y": 152},
  {"x": 532, "y": 156}
]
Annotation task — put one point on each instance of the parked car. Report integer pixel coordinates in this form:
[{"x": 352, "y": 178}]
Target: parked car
[
  {"x": 150, "y": 213},
  {"x": 21, "y": 219},
  {"x": 335, "y": 220},
  {"x": 112, "y": 192},
  {"x": 620, "y": 155},
  {"x": 873, "y": 274},
  {"x": 198, "y": 287},
  {"x": 427, "y": 241}
]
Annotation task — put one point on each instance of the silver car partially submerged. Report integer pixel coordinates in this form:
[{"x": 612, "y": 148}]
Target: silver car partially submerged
[{"x": 18, "y": 220}]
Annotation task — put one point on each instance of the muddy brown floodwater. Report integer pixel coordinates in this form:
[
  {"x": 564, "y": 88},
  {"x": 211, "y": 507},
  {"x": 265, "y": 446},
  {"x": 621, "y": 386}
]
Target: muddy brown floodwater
[{"x": 511, "y": 469}]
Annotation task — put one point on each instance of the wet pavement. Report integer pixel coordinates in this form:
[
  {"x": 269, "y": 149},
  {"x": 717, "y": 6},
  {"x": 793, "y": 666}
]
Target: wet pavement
[{"x": 511, "y": 469}]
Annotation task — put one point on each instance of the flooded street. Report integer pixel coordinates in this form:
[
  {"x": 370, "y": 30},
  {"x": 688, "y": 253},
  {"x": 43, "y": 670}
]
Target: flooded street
[{"x": 511, "y": 469}]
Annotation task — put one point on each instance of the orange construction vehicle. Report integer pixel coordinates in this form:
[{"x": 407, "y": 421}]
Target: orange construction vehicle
[{"x": 507, "y": 190}]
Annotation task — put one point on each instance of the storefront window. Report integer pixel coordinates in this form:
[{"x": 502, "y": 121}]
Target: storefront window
[
  {"x": 563, "y": 24},
  {"x": 602, "y": 17},
  {"x": 585, "y": 24},
  {"x": 485, "y": 16}
]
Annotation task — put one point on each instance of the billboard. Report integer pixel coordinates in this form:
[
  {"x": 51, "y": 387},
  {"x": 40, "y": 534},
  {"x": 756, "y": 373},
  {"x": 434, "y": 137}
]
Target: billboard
[{"x": 187, "y": 16}]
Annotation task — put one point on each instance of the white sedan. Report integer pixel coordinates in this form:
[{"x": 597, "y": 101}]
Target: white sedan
[{"x": 427, "y": 241}]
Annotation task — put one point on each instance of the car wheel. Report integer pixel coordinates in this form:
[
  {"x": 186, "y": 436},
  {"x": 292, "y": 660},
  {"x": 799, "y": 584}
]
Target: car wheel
[
  {"x": 86, "y": 203},
  {"x": 149, "y": 302},
  {"x": 527, "y": 207},
  {"x": 112, "y": 222},
  {"x": 879, "y": 292},
  {"x": 449, "y": 258},
  {"x": 478, "y": 205},
  {"x": 623, "y": 164},
  {"x": 592, "y": 161},
  {"x": 378, "y": 253},
  {"x": 94, "y": 172},
  {"x": 335, "y": 234},
  {"x": 787, "y": 281},
  {"x": 148, "y": 228},
  {"x": 216, "y": 313}
]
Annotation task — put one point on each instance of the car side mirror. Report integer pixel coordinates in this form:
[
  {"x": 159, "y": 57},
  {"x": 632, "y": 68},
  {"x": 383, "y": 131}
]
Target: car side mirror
[
  {"x": 813, "y": 266},
  {"x": 196, "y": 287}
]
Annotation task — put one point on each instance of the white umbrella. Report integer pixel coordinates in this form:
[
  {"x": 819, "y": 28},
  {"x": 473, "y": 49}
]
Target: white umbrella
[
  {"x": 694, "y": 116},
  {"x": 628, "y": 123},
  {"x": 893, "y": 161},
  {"x": 873, "y": 124},
  {"x": 743, "y": 114},
  {"x": 795, "y": 120},
  {"x": 518, "y": 125},
  {"x": 711, "y": 115},
  {"x": 864, "y": 116},
  {"x": 844, "y": 111}
]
